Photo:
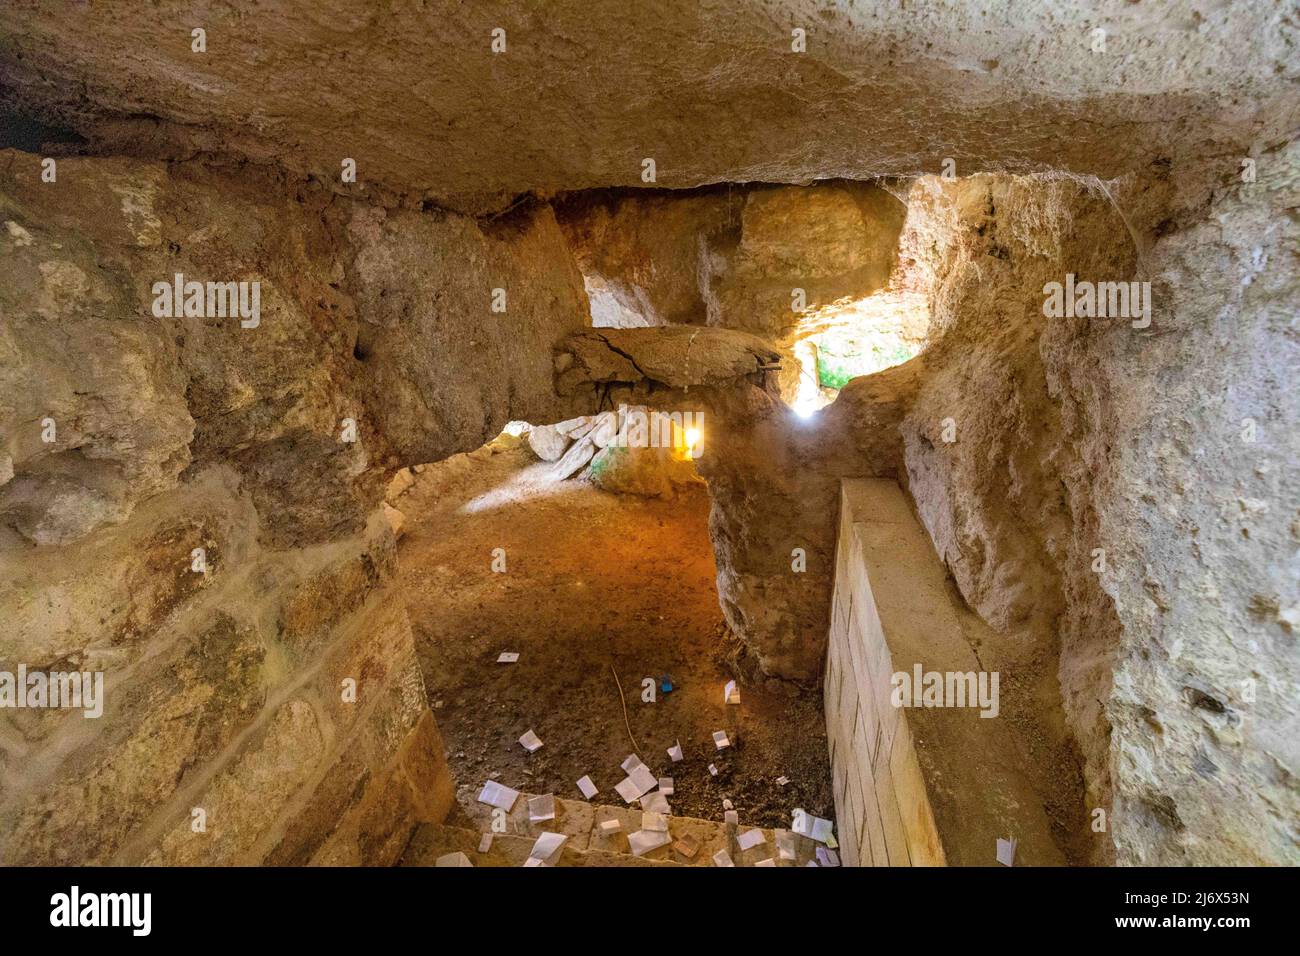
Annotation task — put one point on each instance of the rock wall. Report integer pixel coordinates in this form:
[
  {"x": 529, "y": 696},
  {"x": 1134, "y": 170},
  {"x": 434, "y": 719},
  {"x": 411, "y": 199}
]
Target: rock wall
[
  {"x": 1198, "y": 511},
  {"x": 996, "y": 455},
  {"x": 1121, "y": 491},
  {"x": 182, "y": 507}
]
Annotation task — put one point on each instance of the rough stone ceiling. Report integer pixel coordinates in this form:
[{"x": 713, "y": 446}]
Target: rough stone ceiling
[{"x": 711, "y": 90}]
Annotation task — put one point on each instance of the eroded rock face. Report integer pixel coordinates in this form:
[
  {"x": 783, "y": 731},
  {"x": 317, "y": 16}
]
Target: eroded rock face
[
  {"x": 378, "y": 318},
  {"x": 797, "y": 249},
  {"x": 643, "y": 255},
  {"x": 754, "y": 259},
  {"x": 583, "y": 92},
  {"x": 444, "y": 369},
  {"x": 191, "y": 505},
  {"x": 1198, "y": 511}
]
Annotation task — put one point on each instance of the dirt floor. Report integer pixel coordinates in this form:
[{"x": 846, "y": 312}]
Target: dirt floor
[{"x": 595, "y": 583}]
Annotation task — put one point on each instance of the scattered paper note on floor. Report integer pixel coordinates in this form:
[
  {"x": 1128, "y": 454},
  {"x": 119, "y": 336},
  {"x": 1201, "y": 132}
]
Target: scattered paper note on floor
[
  {"x": 541, "y": 808},
  {"x": 822, "y": 830},
  {"x": 587, "y": 787},
  {"x": 827, "y": 857},
  {"x": 768, "y": 862},
  {"x": 631, "y": 763},
  {"x": 731, "y": 693},
  {"x": 612, "y": 825},
  {"x": 508, "y": 657},
  {"x": 530, "y": 741},
  {"x": 643, "y": 841},
  {"x": 713, "y": 770},
  {"x": 643, "y": 778},
  {"x": 1007, "y": 851},
  {"x": 627, "y": 790},
  {"x": 815, "y": 828},
  {"x": 655, "y": 822},
  {"x": 453, "y": 859},
  {"x": 720, "y": 739},
  {"x": 675, "y": 752},
  {"x": 731, "y": 816},
  {"x": 782, "y": 781},
  {"x": 750, "y": 838},
  {"x": 533, "y": 861},
  {"x": 485, "y": 843},
  {"x": 496, "y": 795},
  {"x": 722, "y": 858},
  {"x": 786, "y": 847},
  {"x": 639, "y": 782},
  {"x": 546, "y": 845},
  {"x": 655, "y": 802},
  {"x": 666, "y": 786}
]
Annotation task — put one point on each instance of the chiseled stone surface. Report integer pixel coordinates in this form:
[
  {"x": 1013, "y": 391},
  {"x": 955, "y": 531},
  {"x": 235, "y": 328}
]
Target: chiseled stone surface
[
  {"x": 587, "y": 89},
  {"x": 177, "y": 435}
]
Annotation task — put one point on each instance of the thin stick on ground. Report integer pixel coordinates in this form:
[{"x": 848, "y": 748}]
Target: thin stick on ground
[{"x": 626, "y": 723}]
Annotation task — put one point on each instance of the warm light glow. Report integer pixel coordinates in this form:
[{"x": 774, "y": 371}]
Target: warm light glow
[
  {"x": 805, "y": 409},
  {"x": 692, "y": 437}
]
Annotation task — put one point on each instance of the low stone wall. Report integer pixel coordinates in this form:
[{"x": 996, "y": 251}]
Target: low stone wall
[
  {"x": 266, "y": 710},
  {"x": 916, "y": 786}
]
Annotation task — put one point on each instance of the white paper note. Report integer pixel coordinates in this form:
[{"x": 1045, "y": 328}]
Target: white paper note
[
  {"x": 1007, "y": 851},
  {"x": 541, "y": 808},
  {"x": 822, "y": 830},
  {"x": 643, "y": 841},
  {"x": 587, "y": 787},
  {"x": 643, "y": 778},
  {"x": 530, "y": 741},
  {"x": 495, "y": 795},
  {"x": 546, "y": 845},
  {"x": 785, "y": 845},
  {"x": 655, "y": 802},
  {"x": 631, "y": 763},
  {"x": 827, "y": 857}
]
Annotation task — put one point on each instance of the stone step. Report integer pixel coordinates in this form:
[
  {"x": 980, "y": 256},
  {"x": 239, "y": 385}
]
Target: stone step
[
  {"x": 587, "y": 845},
  {"x": 433, "y": 841}
]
